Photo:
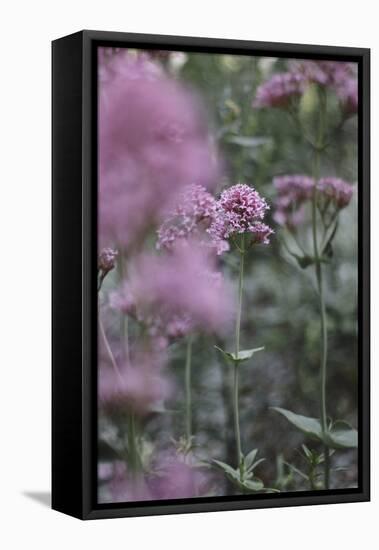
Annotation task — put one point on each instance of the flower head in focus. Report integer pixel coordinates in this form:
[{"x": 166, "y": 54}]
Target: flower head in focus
[{"x": 241, "y": 210}]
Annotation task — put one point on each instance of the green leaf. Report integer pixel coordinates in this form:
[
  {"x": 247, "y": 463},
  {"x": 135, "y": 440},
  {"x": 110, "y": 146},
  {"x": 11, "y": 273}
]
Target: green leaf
[
  {"x": 309, "y": 426},
  {"x": 245, "y": 141},
  {"x": 336, "y": 438},
  {"x": 297, "y": 471},
  {"x": 226, "y": 468},
  {"x": 307, "y": 452},
  {"x": 328, "y": 249},
  {"x": 243, "y": 355},
  {"x": 246, "y": 354},
  {"x": 255, "y": 464},
  {"x": 226, "y": 354},
  {"x": 306, "y": 260},
  {"x": 250, "y": 457},
  {"x": 253, "y": 484},
  {"x": 303, "y": 261},
  {"x": 342, "y": 438}
]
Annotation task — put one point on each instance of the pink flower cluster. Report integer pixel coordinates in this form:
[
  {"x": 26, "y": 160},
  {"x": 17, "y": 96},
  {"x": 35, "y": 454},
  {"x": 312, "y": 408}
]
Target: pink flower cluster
[
  {"x": 281, "y": 88},
  {"x": 241, "y": 210},
  {"x": 192, "y": 216},
  {"x": 153, "y": 142},
  {"x": 294, "y": 190}
]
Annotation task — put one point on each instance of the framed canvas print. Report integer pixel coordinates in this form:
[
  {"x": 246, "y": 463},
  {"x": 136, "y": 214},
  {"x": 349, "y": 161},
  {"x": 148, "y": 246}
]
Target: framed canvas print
[{"x": 210, "y": 275}]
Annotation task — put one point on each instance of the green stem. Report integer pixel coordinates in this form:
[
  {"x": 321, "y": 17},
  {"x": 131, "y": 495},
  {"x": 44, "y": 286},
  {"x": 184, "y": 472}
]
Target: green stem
[
  {"x": 134, "y": 458},
  {"x": 320, "y": 287},
  {"x": 134, "y": 455},
  {"x": 108, "y": 348},
  {"x": 236, "y": 364},
  {"x": 188, "y": 390},
  {"x": 124, "y": 319}
]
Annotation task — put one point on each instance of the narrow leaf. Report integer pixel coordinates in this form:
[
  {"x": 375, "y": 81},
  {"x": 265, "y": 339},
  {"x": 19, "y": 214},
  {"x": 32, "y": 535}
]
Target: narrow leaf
[
  {"x": 245, "y": 141},
  {"x": 243, "y": 355},
  {"x": 250, "y": 457},
  {"x": 226, "y": 468},
  {"x": 253, "y": 484},
  {"x": 226, "y": 354},
  {"x": 246, "y": 354}
]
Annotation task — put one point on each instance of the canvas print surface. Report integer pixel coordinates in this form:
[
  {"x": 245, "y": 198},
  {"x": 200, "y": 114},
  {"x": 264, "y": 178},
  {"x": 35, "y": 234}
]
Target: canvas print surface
[{"x": 227, "y": 275}]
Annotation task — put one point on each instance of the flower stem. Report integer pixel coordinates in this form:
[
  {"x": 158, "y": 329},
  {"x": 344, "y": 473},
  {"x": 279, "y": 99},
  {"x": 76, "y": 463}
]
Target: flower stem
[
  {"x": 108, "y": 348},
  {"x": 188, "y": 390},
  {"x": 236, "y": 364},
  {"x": 320, "y": 287},
  {"x": 124, "y": 321},
  {"x": 134, "y": 458}
]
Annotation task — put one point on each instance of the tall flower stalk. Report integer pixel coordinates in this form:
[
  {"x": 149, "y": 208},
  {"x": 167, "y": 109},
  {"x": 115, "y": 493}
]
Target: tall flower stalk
[
  {"x": 237, "y": 350},
  {"x": 327, "y": 197},
  {"x": 320, "y": 285},
  {"x": 240, "y": 213}
]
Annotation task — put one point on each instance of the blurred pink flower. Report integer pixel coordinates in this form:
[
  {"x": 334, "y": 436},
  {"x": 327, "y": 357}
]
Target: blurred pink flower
[
  {"x": 193, "y": 214},
  {"x": 279, "y": 90},
  {"x": 347, "y": 92},
  {"x": 161, "y": 324},
  {"x": 126, "y": 488},
  {"x": 140, "y": 387},
  {"x": 153, "y": 141},
  {"x": 296, "y": 187},
  {"x": 241, "y": 209},
  {"x": 293, "y": 190},
  {"x": 180, "y": 288},
  {"x": 175, "y": 478},
  {"x": 171, "y": 478},
  {"x": 324, "y": 73},
  {"x": 336, "y": 190}
]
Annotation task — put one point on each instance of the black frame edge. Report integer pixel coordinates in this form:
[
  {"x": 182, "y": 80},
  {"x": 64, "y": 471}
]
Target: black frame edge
[
  {"x": 81, "y": 497},
  {"x": 67, "y": 460}
]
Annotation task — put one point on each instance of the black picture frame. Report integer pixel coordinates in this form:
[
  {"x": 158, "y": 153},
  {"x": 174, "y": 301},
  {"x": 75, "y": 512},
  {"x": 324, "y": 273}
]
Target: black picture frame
[{"x": 74, "y": 315}]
